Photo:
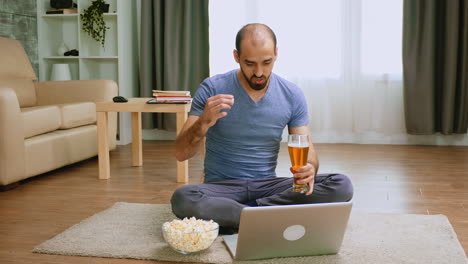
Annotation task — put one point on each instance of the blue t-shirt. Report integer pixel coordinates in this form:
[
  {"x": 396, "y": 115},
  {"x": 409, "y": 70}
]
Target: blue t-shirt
[{"x": 246, "y": 142}]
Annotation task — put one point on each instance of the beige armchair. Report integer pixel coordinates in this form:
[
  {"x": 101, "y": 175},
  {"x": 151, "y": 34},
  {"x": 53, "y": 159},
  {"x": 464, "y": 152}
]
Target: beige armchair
[{"x": 45, "y": 125}]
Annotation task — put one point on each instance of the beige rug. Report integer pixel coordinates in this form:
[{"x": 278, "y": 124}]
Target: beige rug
[{"x": 129, "y": 230}]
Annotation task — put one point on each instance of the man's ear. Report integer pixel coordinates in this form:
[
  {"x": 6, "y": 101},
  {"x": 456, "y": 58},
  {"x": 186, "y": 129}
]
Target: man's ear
[
  {"x": 236, "y": 55},
  {"x": 276, "y": 53}
]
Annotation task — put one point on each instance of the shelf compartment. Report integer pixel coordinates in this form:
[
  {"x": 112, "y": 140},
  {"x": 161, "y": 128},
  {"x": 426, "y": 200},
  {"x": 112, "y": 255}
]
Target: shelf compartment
[
  {"x": 57, "y": 31},
  {"x": 83, "y": 4},
  {"x": 99, "y": 69},
  {"x": 92, "y": 48},
  {"x": 73, "y": 64}
]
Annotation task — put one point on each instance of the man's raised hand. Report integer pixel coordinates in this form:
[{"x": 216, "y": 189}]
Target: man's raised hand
[{"x": 213, "y": 107}]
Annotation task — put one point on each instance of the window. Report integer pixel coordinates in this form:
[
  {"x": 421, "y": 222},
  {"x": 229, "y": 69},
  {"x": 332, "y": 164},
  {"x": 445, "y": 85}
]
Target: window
[{"x": 316, "y": 39}]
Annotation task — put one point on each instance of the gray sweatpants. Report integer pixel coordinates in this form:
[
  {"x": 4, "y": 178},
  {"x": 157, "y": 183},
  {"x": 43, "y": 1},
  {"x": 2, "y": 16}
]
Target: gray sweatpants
[{"x": 222, "y": 201}]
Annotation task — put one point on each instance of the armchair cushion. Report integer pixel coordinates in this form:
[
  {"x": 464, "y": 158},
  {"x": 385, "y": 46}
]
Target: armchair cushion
[
  {"x": 15, "y": 62},
  {"x": 66, "y": 92},
  {"x": 40, "y": 119},
  {"x": 47, "y": 118},
  {"x": 77, "y": 114}
]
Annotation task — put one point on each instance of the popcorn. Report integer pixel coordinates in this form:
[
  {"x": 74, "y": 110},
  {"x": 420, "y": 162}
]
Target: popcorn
[{"x": 190, "y": 234}]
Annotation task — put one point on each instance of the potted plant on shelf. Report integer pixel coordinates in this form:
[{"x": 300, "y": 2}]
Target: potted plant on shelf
[{"x": 93, "y": 20}]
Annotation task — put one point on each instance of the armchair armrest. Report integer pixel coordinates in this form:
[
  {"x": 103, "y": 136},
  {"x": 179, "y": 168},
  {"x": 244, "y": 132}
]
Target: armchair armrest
[
  {"x": 12, "y": 152},
  {"x": 62, "y": 92}
]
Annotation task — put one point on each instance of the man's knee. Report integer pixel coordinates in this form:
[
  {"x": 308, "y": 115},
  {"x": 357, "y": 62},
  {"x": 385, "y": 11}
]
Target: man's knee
[
  {"x": 343, "y": 188},
  {"x": 182, "y": 201}
]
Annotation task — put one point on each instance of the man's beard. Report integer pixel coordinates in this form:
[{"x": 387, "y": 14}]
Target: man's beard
[{"x": 251, "y": 81}]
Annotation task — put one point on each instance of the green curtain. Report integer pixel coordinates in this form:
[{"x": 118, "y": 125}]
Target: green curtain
[
  {"x": 174, "y": 50},
  {"x": 435, "y": 70}
]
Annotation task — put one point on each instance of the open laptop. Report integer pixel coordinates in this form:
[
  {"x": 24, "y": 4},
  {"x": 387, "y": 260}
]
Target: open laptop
[{"x": 289, "y": 230}]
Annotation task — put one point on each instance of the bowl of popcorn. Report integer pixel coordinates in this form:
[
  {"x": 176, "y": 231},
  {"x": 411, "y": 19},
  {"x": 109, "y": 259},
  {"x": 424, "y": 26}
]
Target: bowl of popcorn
[{"x": 190, "y": 235}]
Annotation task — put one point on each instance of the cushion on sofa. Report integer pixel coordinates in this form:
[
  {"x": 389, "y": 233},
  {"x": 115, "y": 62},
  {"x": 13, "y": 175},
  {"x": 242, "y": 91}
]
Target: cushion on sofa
[
  {"x": 15, "y": 61},
  {"x": 40, "y": 119},
  {"x": 77, "y": 114}
]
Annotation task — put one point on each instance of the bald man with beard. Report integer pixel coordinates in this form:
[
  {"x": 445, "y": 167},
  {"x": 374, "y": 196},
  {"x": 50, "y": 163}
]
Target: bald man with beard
[{"x": 242, "y": 115}]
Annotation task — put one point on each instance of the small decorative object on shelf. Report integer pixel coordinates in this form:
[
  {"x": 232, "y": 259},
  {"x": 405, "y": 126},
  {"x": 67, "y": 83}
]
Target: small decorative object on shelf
[
  {"x": 62, "y": 7},
  {"x": 93, "y": 20},
  {"x": 60, "y": 72},
  {"x": 62, "y": 49},
  {"x": 61, "y": 4},
  {"x": 72, "y": 52}
]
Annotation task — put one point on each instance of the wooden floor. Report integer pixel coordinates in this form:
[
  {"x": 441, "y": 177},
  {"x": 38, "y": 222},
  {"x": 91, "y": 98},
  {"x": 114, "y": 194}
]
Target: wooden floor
[{"x": 387, "y": 178}]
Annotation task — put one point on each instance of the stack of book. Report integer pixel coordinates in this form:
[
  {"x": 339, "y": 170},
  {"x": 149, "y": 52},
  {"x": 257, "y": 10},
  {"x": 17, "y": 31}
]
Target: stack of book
[
  {"x": 172, "y": 96},
  {"x": 54, "y": 11}
]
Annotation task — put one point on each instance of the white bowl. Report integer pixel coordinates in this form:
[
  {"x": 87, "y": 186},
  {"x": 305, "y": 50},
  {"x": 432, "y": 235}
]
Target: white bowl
[{"x": 191, "y": 241}]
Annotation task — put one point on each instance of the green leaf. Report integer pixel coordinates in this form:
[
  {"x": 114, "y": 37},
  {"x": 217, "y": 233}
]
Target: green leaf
[{"x": 93, "y": 21}]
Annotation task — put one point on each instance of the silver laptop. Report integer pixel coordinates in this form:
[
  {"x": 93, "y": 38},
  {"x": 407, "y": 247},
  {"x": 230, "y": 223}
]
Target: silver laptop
[{"x": 289, "y": 230}]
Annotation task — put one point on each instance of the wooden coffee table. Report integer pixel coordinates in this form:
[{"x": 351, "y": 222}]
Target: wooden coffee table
[{"x": 136, "y": 106}]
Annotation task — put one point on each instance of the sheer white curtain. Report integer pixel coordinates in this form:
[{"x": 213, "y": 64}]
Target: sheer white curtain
[{"x": 344, "y": 54}]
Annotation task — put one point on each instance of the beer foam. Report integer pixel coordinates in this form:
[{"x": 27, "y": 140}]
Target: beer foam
[{"x": 299, "y": 145}]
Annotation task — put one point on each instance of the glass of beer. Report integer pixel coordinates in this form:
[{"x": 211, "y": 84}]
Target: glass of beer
[{"x": 298, "y": 147}]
